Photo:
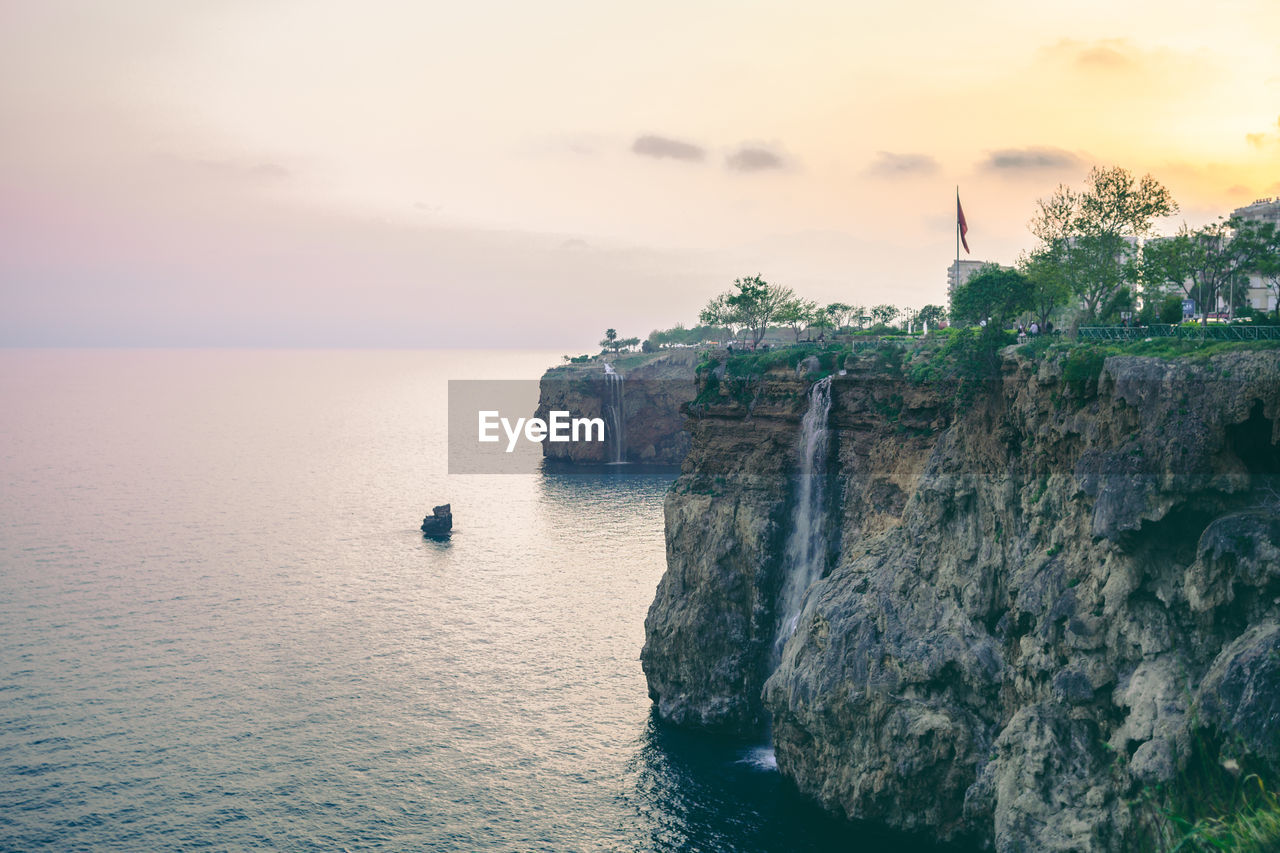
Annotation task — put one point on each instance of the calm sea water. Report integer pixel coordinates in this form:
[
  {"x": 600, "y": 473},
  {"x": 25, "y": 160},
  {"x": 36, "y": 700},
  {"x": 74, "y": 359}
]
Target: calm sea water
[{"x": 221, "y": 629}]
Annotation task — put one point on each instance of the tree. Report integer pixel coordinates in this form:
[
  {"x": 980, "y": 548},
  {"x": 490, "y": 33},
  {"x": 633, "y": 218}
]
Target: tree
[
  {"x": 1168, "y": 309},
  {"x": 992, "y": 294},
  {"x": 796, "y": 313},
  {"x": 932, "y": 314},
  {"x": 1121, "y": 302},
  {"x": 1167, "y": 263},
  {"x": 610, "y": 340},
  {"x": 838, "y": 313},
  {"x": 1093, "y": 235},
  {"x": 821, "y": 322},
  {"x": 885, "y": 314},
  {"x": 753, "y": 306},
  {"x": 720, "y": 313},
  {"x": 1049, "y": 287},
  {"x": 858, "y": 316},
  {"x": 1116, "y": 204},
  {"x": 1268, "y": 264},
  {"x": 1208, "y": 263}
]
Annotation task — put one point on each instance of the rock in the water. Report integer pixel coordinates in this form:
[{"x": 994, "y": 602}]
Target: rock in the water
[{"x": 439, "y": 524}]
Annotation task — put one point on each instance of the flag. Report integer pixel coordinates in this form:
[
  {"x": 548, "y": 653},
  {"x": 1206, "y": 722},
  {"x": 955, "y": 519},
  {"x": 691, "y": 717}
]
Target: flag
[{"x": 961, "y": 224}]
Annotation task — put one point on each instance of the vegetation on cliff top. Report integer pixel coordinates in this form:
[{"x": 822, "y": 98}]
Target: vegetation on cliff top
[{"x": 1098, "y": 261}]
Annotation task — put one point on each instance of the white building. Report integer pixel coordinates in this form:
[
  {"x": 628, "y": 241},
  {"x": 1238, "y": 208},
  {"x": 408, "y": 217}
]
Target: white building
[{"x": 1261, "y": 297}]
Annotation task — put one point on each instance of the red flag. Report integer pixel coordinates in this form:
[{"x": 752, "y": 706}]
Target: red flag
[{"x": 961, "y": 224}]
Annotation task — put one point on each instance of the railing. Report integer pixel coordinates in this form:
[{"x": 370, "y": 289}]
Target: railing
[{"x": 1213, "y": 332}]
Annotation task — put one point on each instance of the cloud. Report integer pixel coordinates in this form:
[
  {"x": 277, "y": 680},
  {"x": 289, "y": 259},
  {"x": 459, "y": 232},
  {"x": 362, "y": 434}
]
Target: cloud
[
  {"x": 1264, "y": 140},
  {"x": 890, "y": 165},
  {"x": 753, "y": 159},
  {"x": 1031, "y": 159},
  {"x": 240, "y": 169},
  {"x": 664, "y": 148},
  {"x": 1107, "y": 55}
]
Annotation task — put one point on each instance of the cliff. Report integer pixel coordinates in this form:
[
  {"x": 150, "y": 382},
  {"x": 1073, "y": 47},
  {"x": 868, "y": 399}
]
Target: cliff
[
  {"x": 1031, "y": 608},
  {"x": 646, "y": 391}
]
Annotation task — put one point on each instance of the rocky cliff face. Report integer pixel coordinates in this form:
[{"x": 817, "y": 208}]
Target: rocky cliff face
[
  {"x": 1035, "y": 607},
  {"x": 651, "y": 393}
]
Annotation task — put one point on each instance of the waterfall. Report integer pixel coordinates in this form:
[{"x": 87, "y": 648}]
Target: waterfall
[
  {"x": 613, "y": 412},
  {"x": 805, "y": 557}
]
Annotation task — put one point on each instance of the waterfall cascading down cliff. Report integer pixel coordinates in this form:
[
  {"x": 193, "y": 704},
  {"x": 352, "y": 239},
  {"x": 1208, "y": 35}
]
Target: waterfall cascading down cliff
[
  {"x": 805, "y": 556},
  {"x": 614, "y": 413}
]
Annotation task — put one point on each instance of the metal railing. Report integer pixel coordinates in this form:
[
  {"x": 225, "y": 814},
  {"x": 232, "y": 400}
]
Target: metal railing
[{"x": 1212, "y": 332}]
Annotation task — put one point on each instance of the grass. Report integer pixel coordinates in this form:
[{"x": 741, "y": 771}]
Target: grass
[
  {"x": 1158, "y": 347},
  {"x": 1213, "y": 805},
  {"x": 753, "y": 365},
  {"x": 1251, "y": 824},
  {"x": 965, "y": 362}
]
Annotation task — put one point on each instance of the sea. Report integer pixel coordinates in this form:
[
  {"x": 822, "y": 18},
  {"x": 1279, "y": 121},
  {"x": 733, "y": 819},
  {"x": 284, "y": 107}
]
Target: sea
[{"x": 221, "y": 628}]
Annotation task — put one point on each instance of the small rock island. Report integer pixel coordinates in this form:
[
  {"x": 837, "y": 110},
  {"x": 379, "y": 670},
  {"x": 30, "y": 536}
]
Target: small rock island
[{"x": 438, "y": 525}]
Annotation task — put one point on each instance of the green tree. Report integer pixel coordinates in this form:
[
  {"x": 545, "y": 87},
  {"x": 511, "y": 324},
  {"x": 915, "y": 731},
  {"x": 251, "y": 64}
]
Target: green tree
[
  {"x": 1093, "y": 235},
  {"x": 992, "y": 294},
  {"x": 796, "y": 313},
  {"x": 753, "y": 306},
  {"x": 1167, "y": 264},
  {"x": 1212, "y": 263},
  {"x": 719, "y": 312},
  {"x": 610, "y": 340},
  {"x": 932, "y": 314},
  {"x": 822, "y": 322},
  {"x": 839, "y": 313},
  {"x": 1049, "y": 287},
  {"x": 678, "y": 334},
  {"x": 1169, "y": 309},
  {"x": 1268, "y": 264},
  {"x": 1121, "y": 302},
  {"x": 885, "y": 313}
]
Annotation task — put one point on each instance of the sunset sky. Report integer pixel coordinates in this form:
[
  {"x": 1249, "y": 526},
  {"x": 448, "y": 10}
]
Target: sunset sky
[{"x": 328, "y": 173}]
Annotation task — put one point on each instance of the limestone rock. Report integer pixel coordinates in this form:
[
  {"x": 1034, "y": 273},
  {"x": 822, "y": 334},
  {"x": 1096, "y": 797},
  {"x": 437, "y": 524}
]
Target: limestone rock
[
  {"x": 1240, "y": 695},
  {"x": 1023, "y": 594}
]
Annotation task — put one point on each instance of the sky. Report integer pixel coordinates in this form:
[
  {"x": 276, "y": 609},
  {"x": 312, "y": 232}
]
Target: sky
[{"x": 514, "y": 174}]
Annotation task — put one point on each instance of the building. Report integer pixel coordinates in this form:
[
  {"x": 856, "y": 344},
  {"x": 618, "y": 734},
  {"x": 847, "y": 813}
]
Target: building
[
  {"x": 1262, "y": 294},
  {"x": 961, "y": 271}
]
